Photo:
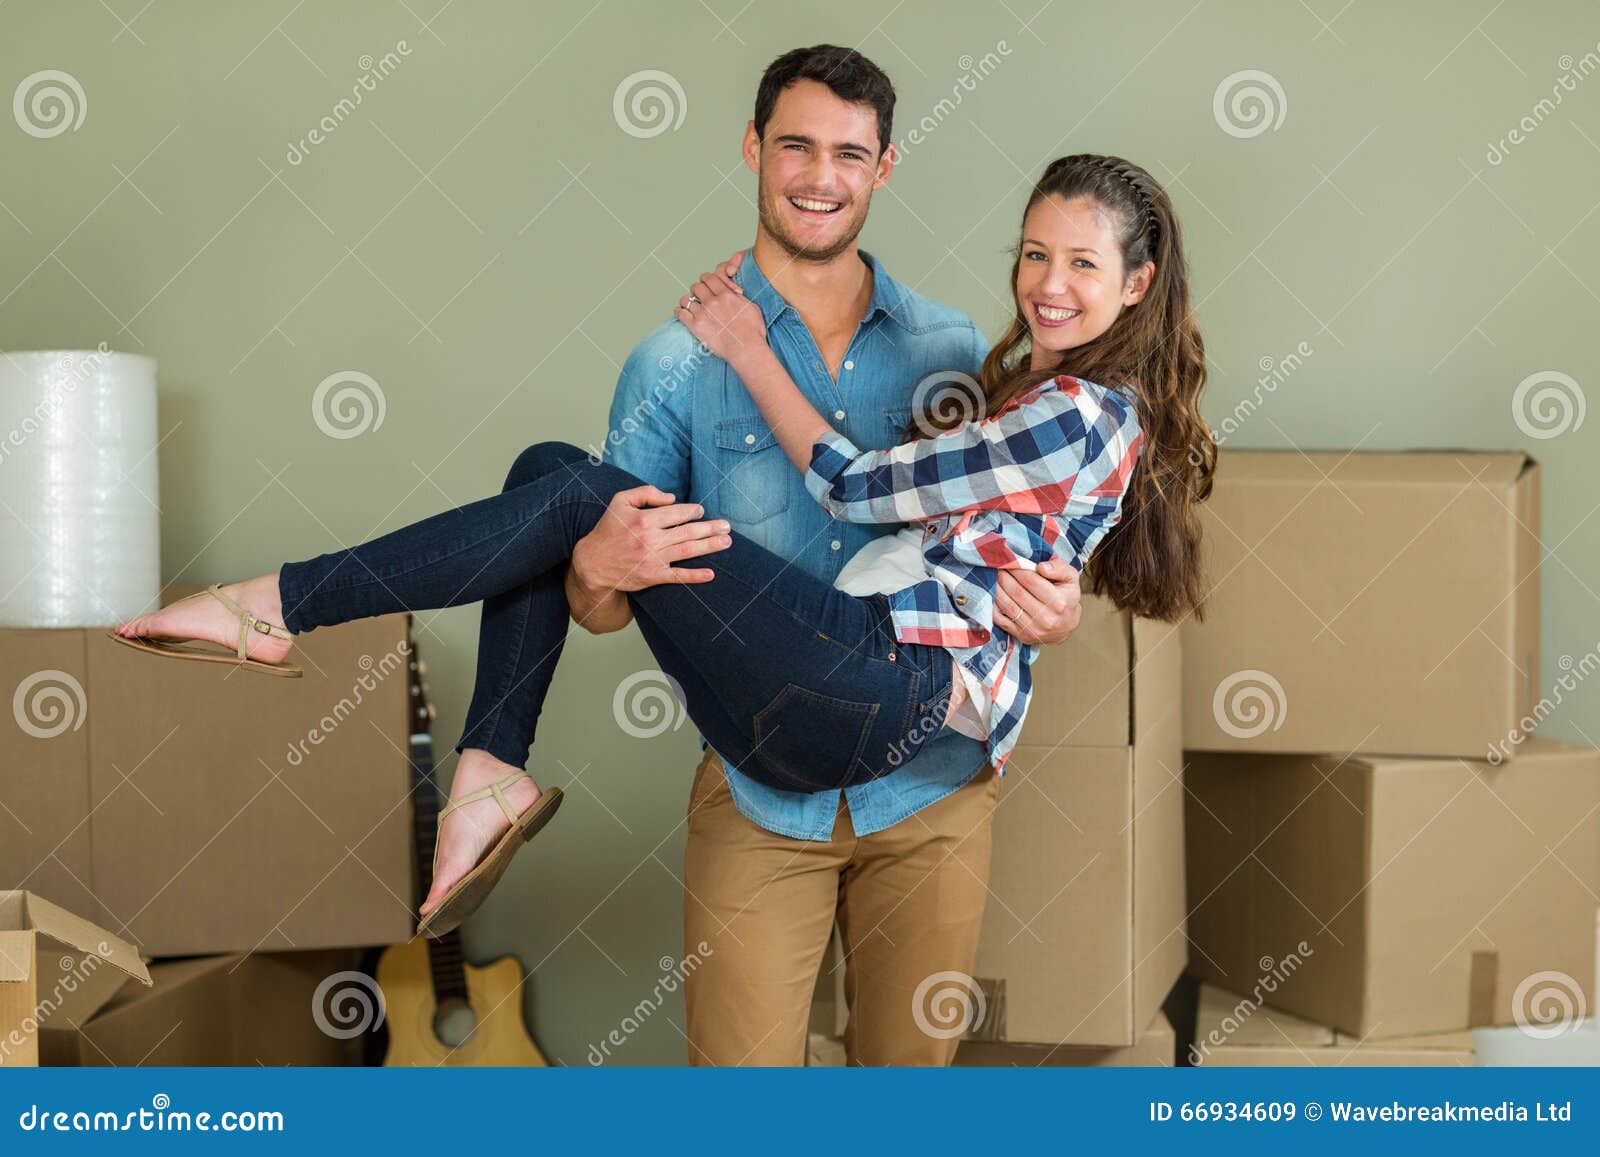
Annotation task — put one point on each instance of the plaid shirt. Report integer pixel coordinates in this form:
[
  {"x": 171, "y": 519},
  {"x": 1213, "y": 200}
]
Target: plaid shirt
[{"x": 1042, "y": 478}]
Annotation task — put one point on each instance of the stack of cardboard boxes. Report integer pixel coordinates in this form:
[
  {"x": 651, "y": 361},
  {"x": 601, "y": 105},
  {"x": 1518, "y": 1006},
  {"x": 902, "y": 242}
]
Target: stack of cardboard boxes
[
  {"x": 251, "y": 836},
  {"x": 1325, "y": 803},
  {"x": 1083, "y": 932},
  {"x": 1376, "y": 843}
]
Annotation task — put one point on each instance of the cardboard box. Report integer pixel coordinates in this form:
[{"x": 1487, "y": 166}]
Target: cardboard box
[
  {"x": 195, "y": 808},
  {"x": 1372, "y": 602},
  {"x": 1231, "y": 1031},
  {"x": 1560, "y": 1043},
  {"x": 1083, "y": 932},
  {"x": 56, "y": 971},
  {"x": 1155, "y": 1048},
  {"x": 267, "y": 1008},
  {"x": 1388, "y": 897}
]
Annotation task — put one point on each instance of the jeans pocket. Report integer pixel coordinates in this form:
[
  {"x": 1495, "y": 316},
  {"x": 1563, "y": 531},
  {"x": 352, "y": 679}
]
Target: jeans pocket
[{"x": 811, "y": 742}]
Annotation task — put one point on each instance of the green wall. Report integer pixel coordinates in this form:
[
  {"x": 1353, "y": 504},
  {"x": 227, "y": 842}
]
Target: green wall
[{"x": 482, "y": 238}]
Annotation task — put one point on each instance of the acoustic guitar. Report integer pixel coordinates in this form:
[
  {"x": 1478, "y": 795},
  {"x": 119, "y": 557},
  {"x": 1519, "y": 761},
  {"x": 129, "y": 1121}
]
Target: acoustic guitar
[{"x": 441, "y": 1010}]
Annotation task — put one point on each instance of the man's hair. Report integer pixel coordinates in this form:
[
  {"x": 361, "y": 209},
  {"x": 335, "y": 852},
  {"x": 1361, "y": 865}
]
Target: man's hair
[{"x": 847, "y": 74}]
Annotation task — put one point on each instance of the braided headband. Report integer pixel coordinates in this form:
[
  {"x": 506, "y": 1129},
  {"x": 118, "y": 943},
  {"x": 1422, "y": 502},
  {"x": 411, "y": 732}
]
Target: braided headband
[{"x": 1119, "y": 169}]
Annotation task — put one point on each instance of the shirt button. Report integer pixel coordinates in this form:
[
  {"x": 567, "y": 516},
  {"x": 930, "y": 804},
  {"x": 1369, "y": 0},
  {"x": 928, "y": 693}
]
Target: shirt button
[
  {"x": 835, "y": 544},
  {"x": 749, "y": 439},
  {"x": 961, "y": 600},
  {"x": 849, "y": 365},
  {"x": 839, "y": 415}
]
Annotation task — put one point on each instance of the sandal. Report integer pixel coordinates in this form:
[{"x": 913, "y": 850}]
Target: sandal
[
  {"x": 207, "y": 651},
  {"x": 467, "y": 893}
]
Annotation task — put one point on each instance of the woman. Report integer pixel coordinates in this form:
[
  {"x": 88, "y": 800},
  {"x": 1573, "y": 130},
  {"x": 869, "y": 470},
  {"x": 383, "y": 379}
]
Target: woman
[{"x": 1087, "y": 441}]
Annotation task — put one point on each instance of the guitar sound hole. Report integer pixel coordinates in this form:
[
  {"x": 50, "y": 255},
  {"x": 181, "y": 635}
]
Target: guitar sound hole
[{"x": 454, "y": 1022}]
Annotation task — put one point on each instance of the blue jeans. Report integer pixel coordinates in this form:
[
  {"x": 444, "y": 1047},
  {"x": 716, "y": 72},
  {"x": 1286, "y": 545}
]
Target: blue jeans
[{"x": 802, "y": 686}]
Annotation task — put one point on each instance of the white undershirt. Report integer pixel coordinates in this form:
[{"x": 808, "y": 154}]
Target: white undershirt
[{"x": 891, "y": 563}]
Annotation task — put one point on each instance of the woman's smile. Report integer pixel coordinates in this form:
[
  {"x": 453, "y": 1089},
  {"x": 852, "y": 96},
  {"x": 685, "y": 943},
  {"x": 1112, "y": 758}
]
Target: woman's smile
[{"x": 1054, "y": 316}]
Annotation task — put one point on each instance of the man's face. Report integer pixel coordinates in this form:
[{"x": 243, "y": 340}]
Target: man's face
[{"x": 818, "y": 165}]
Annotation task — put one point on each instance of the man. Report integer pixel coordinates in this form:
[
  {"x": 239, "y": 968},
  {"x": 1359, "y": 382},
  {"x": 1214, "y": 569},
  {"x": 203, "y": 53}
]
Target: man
[{"x": 901, "y": 862}]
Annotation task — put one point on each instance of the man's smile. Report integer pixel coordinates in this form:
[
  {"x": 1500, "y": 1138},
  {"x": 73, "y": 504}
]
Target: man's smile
[{"x": 817, "y": 207}]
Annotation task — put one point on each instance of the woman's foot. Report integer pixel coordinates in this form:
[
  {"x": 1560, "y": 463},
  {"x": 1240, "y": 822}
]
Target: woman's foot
[
  {"x": 203, "y": 617},
  {"x": 470, "y": 830}
]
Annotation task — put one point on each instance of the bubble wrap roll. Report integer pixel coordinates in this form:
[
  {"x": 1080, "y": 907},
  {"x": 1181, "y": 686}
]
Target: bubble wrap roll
[{"x": 80, "y": 531}]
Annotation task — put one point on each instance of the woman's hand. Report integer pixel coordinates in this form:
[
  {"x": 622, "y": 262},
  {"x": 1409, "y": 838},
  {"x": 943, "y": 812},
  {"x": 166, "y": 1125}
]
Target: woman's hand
[{"x": 717, "y": 312}]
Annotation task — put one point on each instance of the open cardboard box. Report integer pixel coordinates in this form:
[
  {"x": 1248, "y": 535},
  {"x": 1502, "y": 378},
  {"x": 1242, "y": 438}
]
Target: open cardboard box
[
  {"x": 265, "y": 1008},
  {"x": 1382, "y": 602},
  {"x": 199, "y": 808},
  {"x": 56, "y": 971}
]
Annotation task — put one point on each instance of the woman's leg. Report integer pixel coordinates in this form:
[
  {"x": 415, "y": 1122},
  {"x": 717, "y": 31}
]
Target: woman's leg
[
  {"x": 520, "y": 638},
  {"x": 475, "y": 552},
  {"x": 776, "y": 664},
  {"x": 797, "y": 683},
  {"x": 513, "y": 675},
  {"x": 794, "y": 682}
]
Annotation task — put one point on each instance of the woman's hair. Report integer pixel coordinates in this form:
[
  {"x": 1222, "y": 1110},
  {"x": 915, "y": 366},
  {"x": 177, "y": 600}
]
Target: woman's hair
[{"x": 1149, "y": 562}]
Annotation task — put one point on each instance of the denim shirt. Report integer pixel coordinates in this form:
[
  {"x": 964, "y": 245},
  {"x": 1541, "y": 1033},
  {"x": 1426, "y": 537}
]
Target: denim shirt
[{"x": 681, "y": 420}]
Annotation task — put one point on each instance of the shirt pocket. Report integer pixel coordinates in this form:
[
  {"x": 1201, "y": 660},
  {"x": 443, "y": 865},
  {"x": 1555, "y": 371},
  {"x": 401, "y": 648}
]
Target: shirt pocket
[
  {"x": 897, "y": 420},
  {"x": 752, "y": 481}
]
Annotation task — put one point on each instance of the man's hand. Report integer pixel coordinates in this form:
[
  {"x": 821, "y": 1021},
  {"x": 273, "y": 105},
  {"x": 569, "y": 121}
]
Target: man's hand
[
  {"x": 642, "y": 532},
  {"x": 1039, "y": 607}
]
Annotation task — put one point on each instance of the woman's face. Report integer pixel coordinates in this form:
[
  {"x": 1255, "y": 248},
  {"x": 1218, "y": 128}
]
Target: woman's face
[{"x": 1070, "y": 286}]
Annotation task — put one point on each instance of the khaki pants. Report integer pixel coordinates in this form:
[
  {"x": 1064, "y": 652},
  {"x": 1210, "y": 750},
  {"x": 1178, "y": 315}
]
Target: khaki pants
[{"x": 908, "y": 900}]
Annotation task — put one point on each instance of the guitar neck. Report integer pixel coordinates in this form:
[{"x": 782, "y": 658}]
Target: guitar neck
[{"x": 445, "y": 961}]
